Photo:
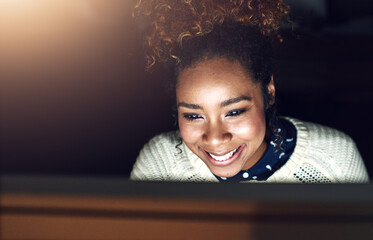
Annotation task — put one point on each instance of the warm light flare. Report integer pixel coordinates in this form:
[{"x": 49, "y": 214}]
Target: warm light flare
[
  {"x": 31, "y": 28},
  {"x": 43, "y": 34},
  {"x": 18, "y": 4}
]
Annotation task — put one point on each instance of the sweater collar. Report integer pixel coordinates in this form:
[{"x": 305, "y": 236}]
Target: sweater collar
[{"x": 280, "y": 148}]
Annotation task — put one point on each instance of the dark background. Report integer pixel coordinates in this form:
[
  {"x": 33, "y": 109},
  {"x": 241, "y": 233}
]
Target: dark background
[{"x": 75, "y": 100}]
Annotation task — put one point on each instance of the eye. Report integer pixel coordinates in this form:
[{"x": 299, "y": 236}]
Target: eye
[
  {"x": 235, "y": 112},
  {"x": 192, "y": 116}
]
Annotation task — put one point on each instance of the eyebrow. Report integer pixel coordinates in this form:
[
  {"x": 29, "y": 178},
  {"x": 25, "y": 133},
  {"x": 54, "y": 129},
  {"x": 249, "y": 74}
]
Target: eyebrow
[
  {"x": 189, "y": 105},
  {"x": 235, "y": 100},
  {"x": 223, "y": 104}
]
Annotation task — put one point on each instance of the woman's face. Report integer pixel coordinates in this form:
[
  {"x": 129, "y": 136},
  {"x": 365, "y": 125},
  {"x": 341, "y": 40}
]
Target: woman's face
[{"x": 221, "y": 115}]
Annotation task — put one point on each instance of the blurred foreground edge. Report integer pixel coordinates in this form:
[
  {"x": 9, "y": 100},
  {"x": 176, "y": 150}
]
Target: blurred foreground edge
[{"x": 65, "y": 207}]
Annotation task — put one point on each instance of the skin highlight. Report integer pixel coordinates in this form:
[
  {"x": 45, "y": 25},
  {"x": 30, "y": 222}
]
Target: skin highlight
[{"x": 221, "y": 111}]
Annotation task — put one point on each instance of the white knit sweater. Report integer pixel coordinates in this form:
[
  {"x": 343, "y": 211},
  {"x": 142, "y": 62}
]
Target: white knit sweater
[{"x": 321, "y": 155}]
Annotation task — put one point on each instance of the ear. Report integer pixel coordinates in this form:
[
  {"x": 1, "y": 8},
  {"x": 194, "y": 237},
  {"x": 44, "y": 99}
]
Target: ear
[{"x": 271, "y": 92}]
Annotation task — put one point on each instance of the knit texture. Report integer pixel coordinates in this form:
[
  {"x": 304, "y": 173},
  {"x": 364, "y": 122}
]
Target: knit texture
[{"x": 321, "y": 155}]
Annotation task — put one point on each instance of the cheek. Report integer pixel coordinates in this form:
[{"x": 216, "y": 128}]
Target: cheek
[
  {"x": 189, "y": 132},
  {"x": 251, "y": 128}
]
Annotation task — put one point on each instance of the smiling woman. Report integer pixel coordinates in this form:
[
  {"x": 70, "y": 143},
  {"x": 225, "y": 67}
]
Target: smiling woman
[
  {"x": 225, "y": 96},
  {"x": 227, "y": 128}
]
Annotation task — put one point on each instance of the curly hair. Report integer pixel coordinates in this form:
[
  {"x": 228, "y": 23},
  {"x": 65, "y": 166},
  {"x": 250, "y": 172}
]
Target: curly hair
[
  {"x": 181, "y": 33},
  {"x": 171, "y": 22}
]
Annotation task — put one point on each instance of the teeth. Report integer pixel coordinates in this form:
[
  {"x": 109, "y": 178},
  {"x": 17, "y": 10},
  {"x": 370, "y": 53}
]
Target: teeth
[{"x": 224, "y": 157}]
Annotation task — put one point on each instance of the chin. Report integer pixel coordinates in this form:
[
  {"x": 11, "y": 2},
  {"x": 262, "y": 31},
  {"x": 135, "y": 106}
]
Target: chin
[{"x": 224, "y": 172}]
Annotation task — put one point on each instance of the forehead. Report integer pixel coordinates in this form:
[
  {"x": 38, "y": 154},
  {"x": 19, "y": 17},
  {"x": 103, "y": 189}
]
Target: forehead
[{"x": 216, "y": 74}]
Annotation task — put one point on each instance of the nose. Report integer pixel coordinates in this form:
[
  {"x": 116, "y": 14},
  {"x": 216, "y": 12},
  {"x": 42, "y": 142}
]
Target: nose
[{"x": 216, "y": 134}]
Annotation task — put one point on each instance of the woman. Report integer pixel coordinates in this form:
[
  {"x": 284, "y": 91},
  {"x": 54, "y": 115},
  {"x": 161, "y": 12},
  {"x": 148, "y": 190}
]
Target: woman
[{"x": 225, "y": 96}]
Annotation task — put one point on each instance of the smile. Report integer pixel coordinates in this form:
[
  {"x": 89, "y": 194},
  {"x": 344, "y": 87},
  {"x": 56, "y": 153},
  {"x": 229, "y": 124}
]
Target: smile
[{"x": 224, "y": 157}]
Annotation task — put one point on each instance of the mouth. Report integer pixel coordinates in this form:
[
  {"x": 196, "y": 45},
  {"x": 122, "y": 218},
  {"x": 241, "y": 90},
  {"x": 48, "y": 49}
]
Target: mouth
[{"x": 226, "y": 159}]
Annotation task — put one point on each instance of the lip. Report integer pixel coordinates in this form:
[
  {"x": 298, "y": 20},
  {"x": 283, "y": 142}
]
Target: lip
[{"x": 225, "y": 162}]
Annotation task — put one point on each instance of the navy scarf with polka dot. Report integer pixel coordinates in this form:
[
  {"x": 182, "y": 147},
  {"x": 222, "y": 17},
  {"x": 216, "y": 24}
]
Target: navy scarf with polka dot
[{"x": 279, "y": 150}]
